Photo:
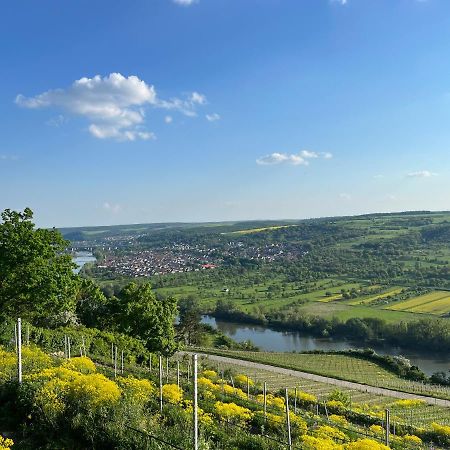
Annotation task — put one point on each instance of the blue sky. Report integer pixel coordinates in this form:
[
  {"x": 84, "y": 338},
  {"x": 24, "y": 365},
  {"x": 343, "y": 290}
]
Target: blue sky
[{"x": 164, "y": 110}]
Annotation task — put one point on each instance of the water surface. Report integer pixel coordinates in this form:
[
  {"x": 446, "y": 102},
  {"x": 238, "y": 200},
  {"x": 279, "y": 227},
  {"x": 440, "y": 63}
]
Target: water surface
[{"x": 288, "y": 341}]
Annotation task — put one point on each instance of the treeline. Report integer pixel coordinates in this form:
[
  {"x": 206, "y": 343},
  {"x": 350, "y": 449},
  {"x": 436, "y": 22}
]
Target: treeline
[{"x": 424, "y": 334}]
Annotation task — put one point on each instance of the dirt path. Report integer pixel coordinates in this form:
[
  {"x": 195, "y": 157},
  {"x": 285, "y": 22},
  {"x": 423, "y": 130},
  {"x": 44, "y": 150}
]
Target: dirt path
[{"x": 328, "y": 380}]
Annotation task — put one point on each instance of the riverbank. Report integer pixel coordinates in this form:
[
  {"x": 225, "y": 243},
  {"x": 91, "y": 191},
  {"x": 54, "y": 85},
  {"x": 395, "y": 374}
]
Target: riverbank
[{"x": 276, "y": 340}]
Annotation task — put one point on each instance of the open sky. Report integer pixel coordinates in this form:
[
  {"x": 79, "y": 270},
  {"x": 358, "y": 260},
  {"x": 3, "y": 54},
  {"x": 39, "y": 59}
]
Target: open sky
[{"x": 180, "y": 110}]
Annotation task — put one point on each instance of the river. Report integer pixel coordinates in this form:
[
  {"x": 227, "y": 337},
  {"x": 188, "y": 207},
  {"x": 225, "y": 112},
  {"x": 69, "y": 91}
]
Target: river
[
  {"x": 288, "y": 341},
  {"x": 81, "y": 258}
]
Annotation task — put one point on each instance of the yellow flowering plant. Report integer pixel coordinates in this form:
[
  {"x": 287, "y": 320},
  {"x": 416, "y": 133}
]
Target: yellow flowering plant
[
  {"x": 232, "y": 412},
  {"x": 135, "y": 389},
  {"x": 172, "y": 393},
  {"x": 241, "y": 380},
  {"x": 5, "y": 443},
  {"x": 365, "y": 444},
  {"x": 211, "y": 374},
  {"x": 80, "y": 364}
]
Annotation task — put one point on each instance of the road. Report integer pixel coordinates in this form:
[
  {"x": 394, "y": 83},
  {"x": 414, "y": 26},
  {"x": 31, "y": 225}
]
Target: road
[{"x": 328, "y": 380}]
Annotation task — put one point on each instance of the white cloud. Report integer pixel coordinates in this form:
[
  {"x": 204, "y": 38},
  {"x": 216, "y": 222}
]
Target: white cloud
[
  {"x": 56, "y": 121},
  {"x": 114, "y": 104},
  {"x": 421, "y": 174},
  {"x": 340, "y": 2},
  {"x": 378, "y": 176},
  {"x": 112, "y": 207},
  {"x": 197, "y": 98},
  {"x": 168, "y": 119},
  {"x": 345, "y": 196},
  {"x": 185, "y": 2},
  {"x": 294, "y": 159},
  {"x": 212, "y": 117},
  {"x": 278, "y": 158}
]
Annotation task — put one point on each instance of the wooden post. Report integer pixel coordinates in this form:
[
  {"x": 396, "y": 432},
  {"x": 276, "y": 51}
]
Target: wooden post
[
  {"x": 248, "y": 387},
  {"x": 388, "y": 426},
  {"x": 295, "y": 401},
  {"x": 115, "y": 361},
  {"x": 288, "y": 421},
  {"x": 121, "y": 363},
  {"x": 326, "y": 410},
  {"x": 112, "y": 353},
  {"x": 167, "y": 370},
  {"x": 65, "y": 346},
  {"x": 195, "y": 404},
  {"x": 150, "y": 363},
  {"x": 160, "y": 384},
  {"x": 19, "y": 349},
  {"x": 178, "y": 373},
  {"x": 68, "y": 346},
  {"x": 265, "y": 400}
]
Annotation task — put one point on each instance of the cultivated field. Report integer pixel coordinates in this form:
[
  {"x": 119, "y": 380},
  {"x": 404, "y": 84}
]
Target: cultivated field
[
  {"x": 437, "y": 302},
  {"x": 342, "y": 367},
  {"x": 420, "y": 415}
]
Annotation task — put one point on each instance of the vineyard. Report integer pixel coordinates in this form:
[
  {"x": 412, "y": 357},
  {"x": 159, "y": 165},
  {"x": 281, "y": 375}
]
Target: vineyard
[
  {"x": 342, "y": 367},
  {"x": 114, "y": 403}
]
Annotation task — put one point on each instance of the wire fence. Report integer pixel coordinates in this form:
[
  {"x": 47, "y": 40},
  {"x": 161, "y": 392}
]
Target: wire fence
[{"x": 180, "y": 370}]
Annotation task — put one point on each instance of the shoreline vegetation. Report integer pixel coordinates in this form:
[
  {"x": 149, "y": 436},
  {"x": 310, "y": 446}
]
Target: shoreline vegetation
[{"x": 419, "y": 334}]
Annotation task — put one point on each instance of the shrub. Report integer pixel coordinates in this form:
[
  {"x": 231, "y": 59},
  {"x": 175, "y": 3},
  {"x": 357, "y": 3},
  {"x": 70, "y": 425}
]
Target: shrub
[
  {"x": 408, "y": 403},
  {"x": 241, "y": 380},
  {"x": 94, "y": 390},
  {"x": 365, "y": 444},
  {"x": 135, "y": 389},
  {"x": 441, "y": 430},
  {"x": 412, "y": 439},
  {"x": 317, "y": 443},
  {"x": 340, "y": 420},
  {"x": 232, "y": 412},
  {"x": 172, "y": 393},
  {"x": 80, "y": 364},
  {"x": 328, "y": 432},
  {"x": 211, "y": 374}
]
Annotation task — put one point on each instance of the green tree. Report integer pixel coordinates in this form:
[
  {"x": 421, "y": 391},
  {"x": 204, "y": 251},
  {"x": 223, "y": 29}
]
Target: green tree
[
  {"x": 190, "y": 318},
  {"x": 139, "y": 313},
  {"x": 92, "y": 305},
  {"x": 37, "y": 281}
]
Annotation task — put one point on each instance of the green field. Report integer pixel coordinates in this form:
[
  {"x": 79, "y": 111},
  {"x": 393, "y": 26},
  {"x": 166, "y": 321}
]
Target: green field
[
  {"x": 366, "y": 300},
  {"x": 437, "y": 302}
]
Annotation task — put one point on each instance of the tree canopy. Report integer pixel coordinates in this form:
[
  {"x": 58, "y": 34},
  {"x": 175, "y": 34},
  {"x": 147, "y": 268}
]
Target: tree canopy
[
  {"x": 36, "y": 276},
  {"x": 140, "y": 313}
]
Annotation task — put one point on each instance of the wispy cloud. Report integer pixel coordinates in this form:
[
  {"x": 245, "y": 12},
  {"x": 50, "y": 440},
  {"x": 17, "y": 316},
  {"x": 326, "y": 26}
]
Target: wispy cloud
[
  {"x": 113, "y": 208},
  {"x": 421, "y": 174},
  {"x": 340, "y": 2},
  {"x": 345, "y": 196},
  {"x": 168, "y": 119},
  {"x": 212, "y": 117},
  {"x": 114, "y": 105},
  {"x": 56, "y": 121},
  {"x": 185, "y": 2},
  {"x": 296, "y": 159}
]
